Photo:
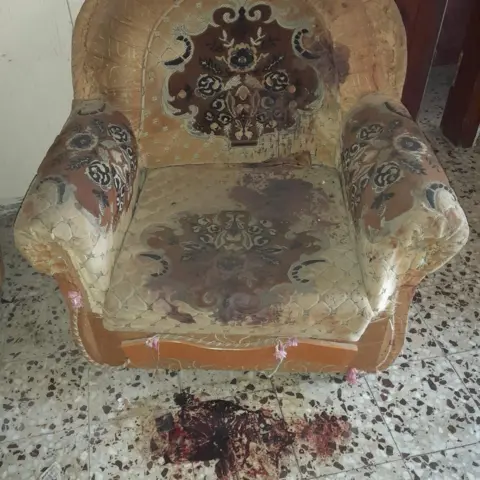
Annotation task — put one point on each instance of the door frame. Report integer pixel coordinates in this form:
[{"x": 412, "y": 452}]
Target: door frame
[{"x": 423, "y": 22}]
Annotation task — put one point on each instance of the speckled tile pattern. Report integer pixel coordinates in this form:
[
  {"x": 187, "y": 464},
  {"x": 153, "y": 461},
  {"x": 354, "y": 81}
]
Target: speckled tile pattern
[
  {"x": 118, "y": 449},
  {"x": 43, "y": 396},
  {"x": 110, "y": 387},
  {"x": 418, "y": 420},
  {"x": 453, "y": 323},
  {"x": 391, "y": 471},
  {"x": 230, "y": 381},
  {"x": 457, "y": 463},
  {"x": 21, "y": 280},
  {"x": 31, "y": 325},
  {"x": 426, "y": 406},
  {"x": 419, "y": 341},
  {"x": 370, "y": 441},
  {"x": 467, "y": 365},
  {"x": 28, "y": 458}
]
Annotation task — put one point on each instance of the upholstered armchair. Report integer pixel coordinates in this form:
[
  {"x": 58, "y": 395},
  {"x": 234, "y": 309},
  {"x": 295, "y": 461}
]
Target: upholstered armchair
[{"x": 237, "y": 178}]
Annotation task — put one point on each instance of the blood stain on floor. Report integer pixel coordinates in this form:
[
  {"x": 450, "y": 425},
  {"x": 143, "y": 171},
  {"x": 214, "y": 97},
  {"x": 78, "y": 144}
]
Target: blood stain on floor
[{"x": 241, "y": 441}]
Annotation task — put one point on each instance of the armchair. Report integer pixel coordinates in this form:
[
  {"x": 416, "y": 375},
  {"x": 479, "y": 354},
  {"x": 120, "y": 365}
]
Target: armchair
[{"x": 231, "y": 177}]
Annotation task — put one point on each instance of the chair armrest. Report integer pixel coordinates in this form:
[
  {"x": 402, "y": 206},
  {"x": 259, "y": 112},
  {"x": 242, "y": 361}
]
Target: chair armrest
[
  {"x": 406, "y": 216},
  {"x": 81, "y": 201}
]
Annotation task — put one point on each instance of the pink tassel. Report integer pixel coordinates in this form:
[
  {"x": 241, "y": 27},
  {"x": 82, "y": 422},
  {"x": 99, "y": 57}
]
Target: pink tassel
[
  {"x": 352, "y": 376},
  {"x": 281, "y": 352},
  {"x": 75, "y": 299},
  {"x": 291, "y": 342},
  {"x": 153, "y": 342}
]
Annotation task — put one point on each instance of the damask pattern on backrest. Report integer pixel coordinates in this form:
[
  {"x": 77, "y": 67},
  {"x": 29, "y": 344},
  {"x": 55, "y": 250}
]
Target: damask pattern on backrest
[{"x": 240, "y": 81}]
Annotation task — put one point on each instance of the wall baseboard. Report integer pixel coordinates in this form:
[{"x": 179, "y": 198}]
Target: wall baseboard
[{"x": 9, "y": 206}]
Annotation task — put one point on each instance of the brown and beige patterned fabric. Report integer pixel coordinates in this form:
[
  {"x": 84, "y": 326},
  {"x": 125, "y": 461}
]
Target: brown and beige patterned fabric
[
  {"x": 175, "y": 69},
  {"x": 244, "y": 249},
  {"x": 82, "y": 198},
  {"x": 248, "y": 77},
  {"x": 406, "y": 215},
  {"x": 203, "y": 186}
]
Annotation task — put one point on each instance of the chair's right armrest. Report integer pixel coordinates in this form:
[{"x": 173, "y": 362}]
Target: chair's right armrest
[
  {"x": 79, "y": 205},
  {"x": 406, "y": 216}
]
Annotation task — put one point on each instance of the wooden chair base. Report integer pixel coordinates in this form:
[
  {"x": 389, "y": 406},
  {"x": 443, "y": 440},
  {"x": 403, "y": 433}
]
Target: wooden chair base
[
  {"x": 376, "y": 350},
  {"x": 183, "y": 354}
]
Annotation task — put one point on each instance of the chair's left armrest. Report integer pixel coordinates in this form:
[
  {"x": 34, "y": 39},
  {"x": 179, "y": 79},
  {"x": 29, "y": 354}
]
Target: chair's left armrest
[
  {"x": 407, "y": 217},
  {"x": 78, "y": 207}
]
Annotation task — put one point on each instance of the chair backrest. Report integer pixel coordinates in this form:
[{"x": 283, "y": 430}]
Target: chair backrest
[{"x": 241, "y": 81}]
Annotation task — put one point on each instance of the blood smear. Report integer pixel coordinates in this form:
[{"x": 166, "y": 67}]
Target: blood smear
[{"x": 241, "y": 441}]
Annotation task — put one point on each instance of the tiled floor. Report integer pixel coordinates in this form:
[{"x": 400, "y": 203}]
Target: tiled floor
[{"x": 418, "y": 420}]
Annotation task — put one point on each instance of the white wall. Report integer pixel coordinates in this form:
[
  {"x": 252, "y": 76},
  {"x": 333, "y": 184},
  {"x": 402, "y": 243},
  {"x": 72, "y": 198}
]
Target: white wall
[{"x": 35, "y": 85}]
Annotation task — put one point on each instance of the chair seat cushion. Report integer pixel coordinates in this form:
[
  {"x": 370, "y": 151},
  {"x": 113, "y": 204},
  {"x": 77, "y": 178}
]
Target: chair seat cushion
[{"x": 240, "y": 250}]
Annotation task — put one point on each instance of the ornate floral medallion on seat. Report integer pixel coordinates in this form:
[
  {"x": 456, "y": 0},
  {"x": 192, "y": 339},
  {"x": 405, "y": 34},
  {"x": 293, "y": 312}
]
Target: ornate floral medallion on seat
[
  {"x": 228, "y": 263},
  {"x": 240, "y": 249}
]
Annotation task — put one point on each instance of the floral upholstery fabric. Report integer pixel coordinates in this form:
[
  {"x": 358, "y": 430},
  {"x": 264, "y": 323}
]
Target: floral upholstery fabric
[
  {"x": 406, "y": 215},
  {"x": 240, "y": 250},
  {"x": 232, "y": 173},
  {"x": 82, "y": 197},
  {"x": 258, "y": 77},
  {"x": 279, "y": 248}
]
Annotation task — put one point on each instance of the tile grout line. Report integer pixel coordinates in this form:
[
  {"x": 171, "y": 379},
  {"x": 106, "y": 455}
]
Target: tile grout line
[
  {"x": 430, "y": 330},
  {"x": 401, "y": 360},
  {"x": 439, "y": 342},
  {"x": 441, "y": 450},
  {"x": 34, "y": 436},
  {"x": 363, "y": 467},
  {"x": 57, "y": 431},
  {"x": 89, "y": 421},
  {"x": 387, "y": 426},
  {"x": 421, "y": 316},
  {"x": 467, "y": 390},
  {"x": 404, "y": 459},
  {"x": 179, "y": 380},
  {"x": 297, "y": 462}
]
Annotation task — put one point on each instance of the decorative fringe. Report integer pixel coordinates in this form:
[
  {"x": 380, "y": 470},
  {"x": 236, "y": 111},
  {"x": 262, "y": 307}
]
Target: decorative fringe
[
  {"x": 75, "y": 299},
  {"x": 281, "y": 352},
  {"x": 352, "y": 376}
]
